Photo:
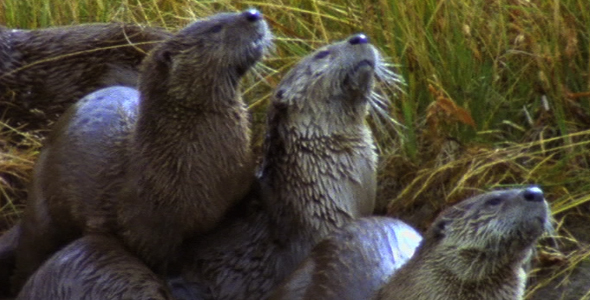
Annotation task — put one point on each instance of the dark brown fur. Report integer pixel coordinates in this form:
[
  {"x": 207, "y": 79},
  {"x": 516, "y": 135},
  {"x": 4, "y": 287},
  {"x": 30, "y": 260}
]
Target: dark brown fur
[
  {"x": 155, "y": 168},
  {"x": 94, "y": 267},
  {"x": 43, "y": 71},
  {"x": 353, "y": 262},
  {"x": 318, "y": 174},
  {"x": 8, "y": 244},
  {"x": 475, "y": 250}
]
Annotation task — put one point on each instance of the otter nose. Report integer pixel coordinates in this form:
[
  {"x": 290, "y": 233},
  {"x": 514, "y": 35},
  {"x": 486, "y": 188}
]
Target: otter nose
[
  {"x": 360, "y": 38},
  {"x": 533, "y": 194},
  {"x": 252, "y": 15}
]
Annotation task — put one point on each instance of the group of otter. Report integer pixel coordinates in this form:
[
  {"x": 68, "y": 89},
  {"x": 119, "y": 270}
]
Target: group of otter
[{"x": 152, "y": 193}]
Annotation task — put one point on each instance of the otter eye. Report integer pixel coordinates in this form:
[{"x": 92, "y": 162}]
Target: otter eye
[
  {"x": 494, "y": 201},
  {"x": 165, "y": 57},
  {"x": 215, "y": 29},
  {"x": 279, "y": 94},
  {"x": 322, "y": 54},
  {"x": 439, "y": 229},
  {"x": 441, "y": 226}
]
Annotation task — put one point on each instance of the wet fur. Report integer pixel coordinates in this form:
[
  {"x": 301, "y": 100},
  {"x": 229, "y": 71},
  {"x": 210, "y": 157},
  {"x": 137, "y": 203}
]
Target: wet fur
[
  {"x": 318, "y": 175},
  {"x": 44, "y": 71},
  {"x": 353, "y": 262},
  {"x": 94, "y": 267}
]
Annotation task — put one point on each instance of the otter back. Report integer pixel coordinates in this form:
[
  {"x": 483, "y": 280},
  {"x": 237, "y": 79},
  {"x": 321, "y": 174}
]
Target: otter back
[
  {"x": 46, "y": 70},
  {"x": 94, "y": 267},
  {"x": 77, "y": 176},
  {"x": 352, "y": 262}
]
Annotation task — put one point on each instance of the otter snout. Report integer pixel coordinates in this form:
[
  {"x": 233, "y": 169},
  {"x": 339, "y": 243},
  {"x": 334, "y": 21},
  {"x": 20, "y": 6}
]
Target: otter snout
[
  {"x": 534, "y": 211},
  {"x": 365, "y": 52},
  {"x": 533, "y": 194},
  {"x": 252, "y": 15},
  {"x": 360, "y": 38},
  {"x": 533, "y": 201},
  {"x": 363, "y": 59},
  {"x": 260, "y": 43}
]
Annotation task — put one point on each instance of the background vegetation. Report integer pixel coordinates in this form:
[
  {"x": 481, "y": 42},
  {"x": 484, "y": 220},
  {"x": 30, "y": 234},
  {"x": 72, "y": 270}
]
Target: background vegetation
[{"x": 497, "y": 92}]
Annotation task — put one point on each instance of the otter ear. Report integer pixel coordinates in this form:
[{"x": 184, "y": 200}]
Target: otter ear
[
  {"x": 166, "y": 57},
  {"x": 163, "y": 58}
]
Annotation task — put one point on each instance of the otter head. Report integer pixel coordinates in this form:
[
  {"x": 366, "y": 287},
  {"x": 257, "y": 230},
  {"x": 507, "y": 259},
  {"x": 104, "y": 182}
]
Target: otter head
[
  {"x": 489, "y": 233},
  {"x": 208, "y": 57},
  {"x": 331, "y": 88}
]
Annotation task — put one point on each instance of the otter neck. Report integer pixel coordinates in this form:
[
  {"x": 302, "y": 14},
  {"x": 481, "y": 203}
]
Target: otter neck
[
  {"x": 169, "y": 132},
  {"x": 177, "y": 102},
  {"x": 481, "y": 278},
  {"x": 320, "y": 182}
]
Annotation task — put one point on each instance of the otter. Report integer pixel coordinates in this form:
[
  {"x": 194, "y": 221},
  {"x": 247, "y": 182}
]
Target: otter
[
  {"x": 318, "y": 174},
  {"x": 475, "y": 249},
  {"x": 43, "y": 71},
  {"x": 94, "y": 267},
  {"x": 353, "y": 262},
  {"x": 153, "y": 166},
  {"x": 8, "y": 244}
]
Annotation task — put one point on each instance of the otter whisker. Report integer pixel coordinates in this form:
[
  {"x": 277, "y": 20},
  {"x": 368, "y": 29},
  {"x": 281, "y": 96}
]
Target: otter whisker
[{"x": 378, "y": 111}]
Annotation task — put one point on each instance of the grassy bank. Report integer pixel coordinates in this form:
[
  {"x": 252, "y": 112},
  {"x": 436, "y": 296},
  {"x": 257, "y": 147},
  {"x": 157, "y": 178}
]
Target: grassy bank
[{"x": 497, "y": 92}]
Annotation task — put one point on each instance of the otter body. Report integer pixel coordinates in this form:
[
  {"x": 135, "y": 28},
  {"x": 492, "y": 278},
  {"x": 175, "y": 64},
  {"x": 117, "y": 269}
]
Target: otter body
[
  {"x": 318, "y": 174},
  {"x": 475, "y": 249},
  {"x": 94, "y": 267},
  {"x": 43, "y": 71},
  {"x": 155, "y": 166},
  {"x": 353, "y": 262},
  {"x": 77, "y": 176}
]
